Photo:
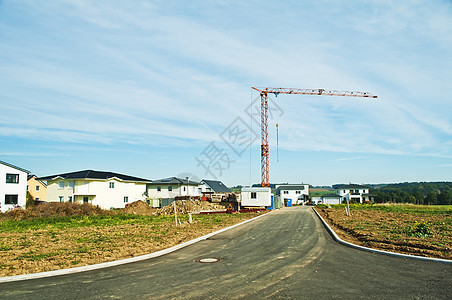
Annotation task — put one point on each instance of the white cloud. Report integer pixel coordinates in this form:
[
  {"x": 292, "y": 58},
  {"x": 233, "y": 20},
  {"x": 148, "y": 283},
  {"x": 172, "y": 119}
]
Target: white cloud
[{"x": 127, "y": 71}]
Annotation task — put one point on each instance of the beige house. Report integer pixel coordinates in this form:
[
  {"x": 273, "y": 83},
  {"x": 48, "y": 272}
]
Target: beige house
[
  {"x": 36, "y": 188},
  {"x": 105, "y": 189}
]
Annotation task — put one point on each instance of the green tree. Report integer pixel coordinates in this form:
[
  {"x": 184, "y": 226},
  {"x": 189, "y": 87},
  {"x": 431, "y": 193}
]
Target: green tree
[
  {"x": 419, "y": 197},
  {"x": 445, "y": 198},
  {"x": 432, "y": 198},
  {"x": 30, "y": 200}
]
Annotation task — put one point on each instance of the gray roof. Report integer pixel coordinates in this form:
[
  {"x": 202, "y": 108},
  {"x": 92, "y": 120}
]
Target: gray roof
[
  {"x": 291, "y": 187},
  {"x": 351, "y": 186},
  {"x": 91, "y": 174},
  {"x": 174, "y": 180},
  {"x": 31, "y": 176},
  {"x": 331, "y": 196},
  {"x": 13, "y": 166},
  {"x": 216, "y": 186}
]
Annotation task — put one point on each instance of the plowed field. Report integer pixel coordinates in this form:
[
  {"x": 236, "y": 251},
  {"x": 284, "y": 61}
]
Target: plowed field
[{"x": 417, "y": 230}]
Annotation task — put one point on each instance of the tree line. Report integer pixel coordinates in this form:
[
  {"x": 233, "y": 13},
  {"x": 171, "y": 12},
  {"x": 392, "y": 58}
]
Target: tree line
[{"x": 429, "y": 193}]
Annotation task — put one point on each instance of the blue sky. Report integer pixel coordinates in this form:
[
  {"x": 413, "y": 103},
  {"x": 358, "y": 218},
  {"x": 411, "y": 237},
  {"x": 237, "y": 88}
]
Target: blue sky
[{"x": 158, "y": 88}]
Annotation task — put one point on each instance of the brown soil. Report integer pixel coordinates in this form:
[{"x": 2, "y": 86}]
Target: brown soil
[
  {"x": 51, "y": 248},
  {"x": 386, "y": 231},
  {"x": 182, "y": 207}
]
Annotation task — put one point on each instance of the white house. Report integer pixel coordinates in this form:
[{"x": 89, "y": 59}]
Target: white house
[
  {"x": 13, "y": 186},
  {"x": 354, "y": 193},
  {"x": 327, "y": 199},
  {"x": 296, "y": 193},
  {"x": 106, "y": 189},
  {"x": 256, "y": 196},
  {"x": 169, "y": 188}
]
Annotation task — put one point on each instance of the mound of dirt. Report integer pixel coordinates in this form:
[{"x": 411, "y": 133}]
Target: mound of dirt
[
  {"x": 138, "y": 208},
  {"x": 54, "y": 209},
  {"x": 189, "y": 206}
]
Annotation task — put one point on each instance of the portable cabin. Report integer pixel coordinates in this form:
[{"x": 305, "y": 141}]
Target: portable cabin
[{"x": 256, "y": 196}]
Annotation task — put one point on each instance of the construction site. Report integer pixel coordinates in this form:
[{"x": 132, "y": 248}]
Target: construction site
[{"x": 254, "y": 197}]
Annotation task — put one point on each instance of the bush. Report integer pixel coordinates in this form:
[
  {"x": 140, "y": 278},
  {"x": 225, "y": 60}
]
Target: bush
[
  {"x": 322, "y": 205},
  {"x": 419, "y": 229}
]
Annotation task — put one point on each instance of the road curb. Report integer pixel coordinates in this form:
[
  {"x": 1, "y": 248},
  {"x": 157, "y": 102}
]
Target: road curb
[
  {"x": 340, "y": 241},
  {"x": 122, "y": 261}
]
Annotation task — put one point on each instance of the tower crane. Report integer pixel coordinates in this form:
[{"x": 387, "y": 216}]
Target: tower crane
[{"x": 264, "y": 116}]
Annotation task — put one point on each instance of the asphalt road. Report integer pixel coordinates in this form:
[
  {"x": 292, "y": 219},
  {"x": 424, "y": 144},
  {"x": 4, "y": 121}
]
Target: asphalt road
[{"x": 286, "y": 254}]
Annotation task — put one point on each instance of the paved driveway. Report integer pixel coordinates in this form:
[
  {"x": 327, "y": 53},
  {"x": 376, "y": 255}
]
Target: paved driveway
[{"x": 286, "y": 254}]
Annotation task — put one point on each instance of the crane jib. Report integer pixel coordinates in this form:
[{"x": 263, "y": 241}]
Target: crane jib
[{"x": 264, "y": 116}]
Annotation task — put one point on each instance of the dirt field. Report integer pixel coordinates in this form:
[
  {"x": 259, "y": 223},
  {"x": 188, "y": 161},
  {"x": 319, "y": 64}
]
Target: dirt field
[
  {"x": 85, "y": 240},
  {"x": 418, "y": 233}
]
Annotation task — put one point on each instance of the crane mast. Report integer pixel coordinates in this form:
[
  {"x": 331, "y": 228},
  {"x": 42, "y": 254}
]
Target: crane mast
[{"x": 264, "y": 117}]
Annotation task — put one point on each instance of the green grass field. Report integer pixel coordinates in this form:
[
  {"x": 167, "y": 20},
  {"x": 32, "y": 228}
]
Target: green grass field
[
  {"x": 109, "y": 220},
  {"x": 316, "y": 192},
  {"x": 47, "y": 243}
]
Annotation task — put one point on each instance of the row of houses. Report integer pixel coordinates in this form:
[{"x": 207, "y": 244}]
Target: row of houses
[
  {"x": 290, "y": 194},
  {"x": 105, "y": 189},
  {"x": 113, "y": 190}
]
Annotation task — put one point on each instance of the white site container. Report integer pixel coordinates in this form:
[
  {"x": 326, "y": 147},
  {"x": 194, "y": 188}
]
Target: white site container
[{"x": 256, "y": 196}]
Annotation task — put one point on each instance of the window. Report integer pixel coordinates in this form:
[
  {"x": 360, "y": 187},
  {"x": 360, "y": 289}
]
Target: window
[
  {"x": 126, "y": 199},
  {"x": 12, "y": 178},
  {"x": 297, "y": 192},
  {"x": 184, "y": 189},
  {"x": 159, "y": 189},
  {"x": 170, "y": 188},
  {"x": 11, "y": 199},
  {"x": 343, "y": 191},
  {"x": 302, "y": 187},
  {"x": 69, "y": 198},
  {"x": 71, "y": 184},
  {"x": 253, "y": 195},
  {"x": 111, "y": 185},
  {"x": 286, "y": 192},
  {"x": 61, "y": 198},
  {"x": 61, "y": 185},
  {"x": 37, "y": 188},
  {"x": 27, "y": 187},
  {"x": 85, "y": 199},
  {"x": 37, "y": 199}
]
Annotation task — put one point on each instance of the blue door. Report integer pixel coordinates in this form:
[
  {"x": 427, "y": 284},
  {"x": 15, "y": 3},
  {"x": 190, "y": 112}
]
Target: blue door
[{"x": 272, "y": 205}]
